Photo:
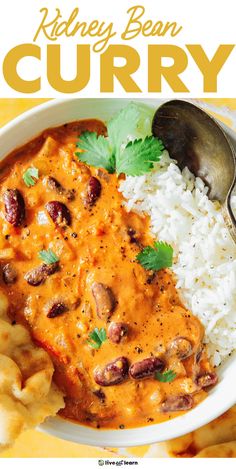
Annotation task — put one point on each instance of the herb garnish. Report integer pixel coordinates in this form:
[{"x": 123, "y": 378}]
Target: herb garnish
[
  {"x": 96, "y": 151},
  {"x": 113, "y": 153},
  {"x": 30, "y": 176},
  {"x": 48, "y": 257},
  {"x": 139, "y": 156},
  {"x": 165, "y": 377},
  {"x": 155, "y": 258},
  {"x": 97, "y": 336}
]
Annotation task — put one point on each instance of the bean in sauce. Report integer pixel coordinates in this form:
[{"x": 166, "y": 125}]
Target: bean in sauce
[{"x": 142, "y": 314}]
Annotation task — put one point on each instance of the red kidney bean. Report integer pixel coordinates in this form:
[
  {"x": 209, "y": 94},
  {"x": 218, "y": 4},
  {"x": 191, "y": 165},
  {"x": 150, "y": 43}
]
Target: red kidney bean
[
  {"x": 93, "y": 191},
  {"x": 113, "y": 373},
  {"x": 206, "y": 379},
  {"x": 116, "y": 331},
  {"x": 146, "y": 367},
  {"x": 176, "y": 403},
  {"x": 104, "y": 299},
  {"x": 181, "y": 347},
  {"x": 39, "y": 274},
  {"x": 58, "y": 212},
  {"x": 54, "y": 185},
  {"x": 9, "y": 274},
  {"x": 56, "y": 309},
  {"x": 14, "y": 207}
]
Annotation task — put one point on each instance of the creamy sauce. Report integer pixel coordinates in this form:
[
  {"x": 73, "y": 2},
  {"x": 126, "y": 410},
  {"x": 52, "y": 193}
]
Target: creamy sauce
[{"x": 99, "y": 246}]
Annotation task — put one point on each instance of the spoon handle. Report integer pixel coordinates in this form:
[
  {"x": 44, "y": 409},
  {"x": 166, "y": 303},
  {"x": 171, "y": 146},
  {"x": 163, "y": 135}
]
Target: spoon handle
[{"x": 228, "y": 213}]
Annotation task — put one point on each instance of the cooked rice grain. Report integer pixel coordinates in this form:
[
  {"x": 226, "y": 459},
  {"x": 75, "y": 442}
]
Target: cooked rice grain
[{"x": 205, "y": 255}]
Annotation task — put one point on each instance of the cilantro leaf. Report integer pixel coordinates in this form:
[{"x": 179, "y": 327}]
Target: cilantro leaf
[
  {"x": 138, "y": 156},
  {"x": 48, "y": 257},
  {"x": 166, "y": 377},
  {"x": 96, "y": 151},
  {"x": 97, "y": 338},
  {"x": 155, "y": 258},
  {"x": 113, "y": 153},
  {"x": 30, "y": 176},
  {"x": 135, "y": 120},
  {"x": 124, "y": 123}
]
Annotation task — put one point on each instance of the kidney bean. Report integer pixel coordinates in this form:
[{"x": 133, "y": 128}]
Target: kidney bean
[
  {"x": 104, "y": 299},
  {"x": 56, "y": 309},
  {"x": 39, "y": 274},
  {"x": 113, "y": 373},
  {"x": 54, "y": 185},
  {"x": 9, "y": 274},
  {"x": 206, "y": 379},
  {"x": 93, "y": 191},
  {"x": 146, "y": 367},
  {"x": 14, "y": 207},
  {"x": 116, "y": 331},
  {"x": 58, "y": 212},
  {"x": 181, "y": 347},
  {"x": 176, "y": 403}
]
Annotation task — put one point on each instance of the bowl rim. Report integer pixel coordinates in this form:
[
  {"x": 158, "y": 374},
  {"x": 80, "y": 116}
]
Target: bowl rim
[
  {"x": 207, "y": 410},
  {"x": 156, "y": 433}
]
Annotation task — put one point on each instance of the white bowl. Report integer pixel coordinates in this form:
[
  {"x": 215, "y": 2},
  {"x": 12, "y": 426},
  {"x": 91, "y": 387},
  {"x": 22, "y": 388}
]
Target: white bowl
[{"x": 221, "y": 397}]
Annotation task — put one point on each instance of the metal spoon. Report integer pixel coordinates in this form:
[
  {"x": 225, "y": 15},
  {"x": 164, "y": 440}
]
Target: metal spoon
[{"x": 197, "y": 141}]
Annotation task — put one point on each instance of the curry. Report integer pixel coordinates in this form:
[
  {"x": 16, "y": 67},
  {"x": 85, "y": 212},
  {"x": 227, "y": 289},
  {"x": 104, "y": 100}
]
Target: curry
[{"x": 76, "y": 212}]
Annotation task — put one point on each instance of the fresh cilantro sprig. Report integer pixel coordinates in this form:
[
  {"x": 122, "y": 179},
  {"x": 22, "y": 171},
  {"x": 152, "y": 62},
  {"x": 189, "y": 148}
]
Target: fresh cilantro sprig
[
  {"x": 114, "y": 152},
  {"x": 30, "y": 176},
  {"x": 122, "y": 124},
  {"x": 97, "y": 337},
  {"x": 155, "y": 258},
  {"x": 139, "y": 156},
  {"x": 48, "y": 257},
  {"x": 96, "y": 151},
  {"x": 165, "y": 377}
]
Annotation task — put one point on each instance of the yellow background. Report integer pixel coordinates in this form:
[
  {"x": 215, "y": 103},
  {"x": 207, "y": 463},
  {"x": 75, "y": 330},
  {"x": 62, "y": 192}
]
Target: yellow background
[{"x": 33, "y": 444}]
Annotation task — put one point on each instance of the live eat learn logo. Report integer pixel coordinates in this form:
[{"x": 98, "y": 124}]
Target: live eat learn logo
[{"x": 117, "y": 462}]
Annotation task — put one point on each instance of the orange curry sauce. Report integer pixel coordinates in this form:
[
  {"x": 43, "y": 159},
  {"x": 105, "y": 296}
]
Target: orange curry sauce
[{"x": 97, "y": 248}]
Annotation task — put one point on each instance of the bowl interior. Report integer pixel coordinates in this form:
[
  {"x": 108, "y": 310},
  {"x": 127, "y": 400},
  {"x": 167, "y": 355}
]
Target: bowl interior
[{"x": 222, "y": 397}]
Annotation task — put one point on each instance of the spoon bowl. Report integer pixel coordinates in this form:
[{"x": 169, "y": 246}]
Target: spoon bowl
[{"x": 197, "y": 141}]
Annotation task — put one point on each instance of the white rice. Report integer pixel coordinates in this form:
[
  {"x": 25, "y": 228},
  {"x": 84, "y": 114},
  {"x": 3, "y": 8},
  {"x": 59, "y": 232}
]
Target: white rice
[{"x": 205, "y": 255}]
